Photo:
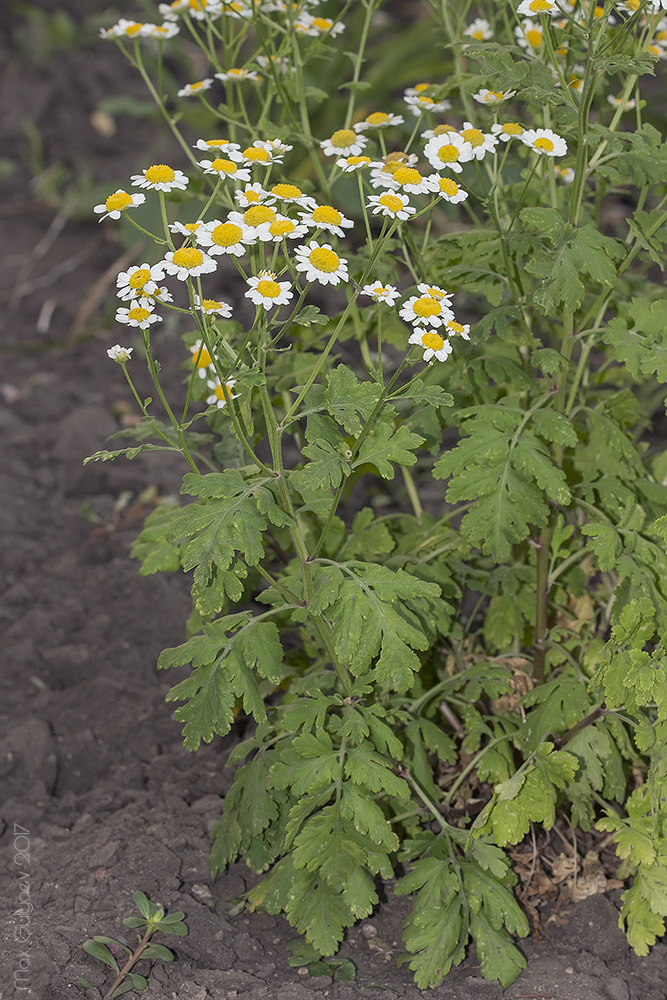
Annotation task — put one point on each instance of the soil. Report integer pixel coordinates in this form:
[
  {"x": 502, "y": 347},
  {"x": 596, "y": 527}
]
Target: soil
[{"x": 94, "y": 775}]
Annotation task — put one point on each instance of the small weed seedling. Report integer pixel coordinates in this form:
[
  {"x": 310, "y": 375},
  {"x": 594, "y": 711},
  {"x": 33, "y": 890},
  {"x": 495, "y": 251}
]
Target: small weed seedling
[{"x": 105, "y": 949}]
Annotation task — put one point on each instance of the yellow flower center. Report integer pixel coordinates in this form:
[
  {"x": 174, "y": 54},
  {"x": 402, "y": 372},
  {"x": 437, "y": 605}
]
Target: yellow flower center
[
  {"x": 544, "y": 144},
  {"x": 322, "y": 23},
  {"x": 270, "y": 289},
  {"x": 448, "y": 185},
  {"x": 449, "y": 153},
  {"x": 454, "y": 326},
  {"x": 257, "y": 154},
  {"x": 407, "y": 175},
  {"x": 210, "y": 304},
  {"x": 432, "y": 340},
  {"x": 201, "y": 359},
  {"x": 327, "y": 214},
  {"x": 223, "y": 166},
  {"x": 223, "y": 392},
  {"x": 197, "y": 86},
  {"x": 324, "y": 260},
  {"x": 343, "y": 137},
  {"x": 139, "y": 314},
  {"x": 251, "y": 196},
  {"x": 133, "y": 29},
  {"x": 188, "y": 257},
  {"x": 118, "y": 201},
  {"x": 435, "y": 293},
  {"x": 216, "y": 142},
  {"x": 354, "y": 161},
  {"x": 197, "y": 4},
  {"x": 282, "y": 227},
  {"x": 478, "y": 34},
  {"x": 443, "y": 129},
  {"x": 426, "y": 307},
  {"x": 159, "y": 173},
  {"x": 493, "y": 96},
  {"x": 226, "y": 234},
  {"x": 391, "y": 166},
  {"x": 661, "y": 36},
  {"x": 378, "y": 118},
  {"x": 598, "y": 12},
  {"x": 513, "y": 128},
  {"x": 534, "y": 37},
  {"x": 235, "y": 71},
  {"x": 192, "y": 227},
  {"x": 257, "y": 214},
  {"x": 418, "y": 87},
  {"x": 474, "y": 136},
  {"x": 286, "y": 191},
  {"x": 540, "y": 6},
  {"x": 391, "y": 201},
  {"x": 139, "y": 278}
]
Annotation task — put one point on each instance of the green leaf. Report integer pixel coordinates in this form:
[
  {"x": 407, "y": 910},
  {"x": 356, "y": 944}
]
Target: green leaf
[
  {"x": 101, "y": 953},
  {"x": 386, "y": 444},
  {"x": 224, "y": 668},
  {"x": 142, "y": 903},
  {"x": 642, "y": 925},
  {"x": 378, "y": 610},
  {"x": 349, "y": 401},
  {"x": 139, "y": 982},
  {"x": 124, "y": 987},
  {"x": 159, "y": 951},
  {"x": 157, "y": 555}
]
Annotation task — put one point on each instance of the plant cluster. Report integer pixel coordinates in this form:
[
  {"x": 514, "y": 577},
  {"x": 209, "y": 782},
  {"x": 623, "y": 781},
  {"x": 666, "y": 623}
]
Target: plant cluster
[{"x": 442, "y": 288}]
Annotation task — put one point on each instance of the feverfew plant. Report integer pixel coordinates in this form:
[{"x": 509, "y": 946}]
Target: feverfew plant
[{"x": 432, "y": 284}]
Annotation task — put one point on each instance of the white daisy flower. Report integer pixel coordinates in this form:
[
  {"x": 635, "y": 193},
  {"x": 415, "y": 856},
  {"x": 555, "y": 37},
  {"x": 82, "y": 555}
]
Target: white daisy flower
[
  {"x": 281, "y": 228},
  {"x": 222, "y": 167},
  {"x": 321, "y": 263},
  {"x": 120, "y": 354},
  {"x": 187, "y": 262},
  {"x": 290, "y": 194},
  {"x": 507, "y": 131},
  {"x": 533, "y": 8},
  {"x": 232, "y": 236},
  {"x": 326, "y": 217},
  {"x": 344, "y": 142},
  {"x": 493, "y": 96},
  {"x": 381, "y": 293},
  {"x": 435, "y": 292},
  {"x": 479, "y": 29},
  {"x": 307, "y": 24},
  {"x": 424, "y": 309},
  {"x": 564, "y": 174},
  {"x": 161, "y": 32},
  {"x": 201, "y": 359},
  {"x": 265, "y": 152},
  {"x": 348, "y": 164},
  {"x": 200, "y": 10},
  {"x": 409, "y": 180},
  {"x": 213, "y": 307},
  {"x": 448, "y": 151},
  {"x": 138, "y": 281},
  {"x": 192, "y": 89},
  {"x": 618, "y": 102},
  {"x": 421, "y": 103},
  {"x": 124, "y": 29},
  {"x": 434, "y": 345},
  {"x": 236, "y": 74},
  {"x": 266, "y": 291},
  {"x": 544, "y": 141},
  {"x": 117, "y": 203},
  {"x": 378, "y": 119},
  {"x": 254, "y": 216},
  {"x": 252, "y": 194},
  {"x": 448, "y": 189},
  {"x": 138, "y": 315},
  {"x": 186, "y": 228},
  {"x": 481, "y": 142},
  {"x": 160, "y": 177},
  {"x": 280, "y": 63},
  {"x": 221, "y": 394},
  {"x": 529, "y": 35},
  {"x": 232, "y": 150},
  {"x": 391, "y": 204},
  {"x": 382, "y": 171},
  {"x": 451, "y": 327}
]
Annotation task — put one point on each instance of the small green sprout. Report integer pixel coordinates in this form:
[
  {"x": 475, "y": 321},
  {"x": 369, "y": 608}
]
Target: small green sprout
[{"x": 104, "y": 949}]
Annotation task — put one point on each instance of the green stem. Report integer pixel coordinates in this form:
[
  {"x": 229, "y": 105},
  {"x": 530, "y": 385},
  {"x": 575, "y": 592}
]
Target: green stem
[{"x": 152, "y": 367}]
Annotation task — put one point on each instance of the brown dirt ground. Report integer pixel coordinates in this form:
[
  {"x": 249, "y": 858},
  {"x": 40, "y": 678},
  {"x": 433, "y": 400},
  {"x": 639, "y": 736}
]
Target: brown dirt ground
[{"x": 90, "y": 758}]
